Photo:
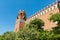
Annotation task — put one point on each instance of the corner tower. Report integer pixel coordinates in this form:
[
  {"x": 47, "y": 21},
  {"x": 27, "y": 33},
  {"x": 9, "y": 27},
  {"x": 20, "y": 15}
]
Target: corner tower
[{"x": 20, "y": 21}]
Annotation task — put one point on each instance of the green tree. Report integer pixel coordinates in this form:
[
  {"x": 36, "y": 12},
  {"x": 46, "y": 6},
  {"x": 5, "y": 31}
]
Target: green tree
[
  {"x": 36, "y": 23},
  {"x": 31, "y": 32},
  {"x": 0, "y": 37},
  {"x": 8, "y": 36},
  {"x": 27, "y": 34},
  {"x": 34, "y": 34},
  {"x": 56, "y": 18}
]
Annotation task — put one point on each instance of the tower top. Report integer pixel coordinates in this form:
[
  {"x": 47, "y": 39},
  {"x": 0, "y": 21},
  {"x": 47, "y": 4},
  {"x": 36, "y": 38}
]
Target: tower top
[
  {"x": 21, "y": 15},
  {"x": 21, "y": 11}
]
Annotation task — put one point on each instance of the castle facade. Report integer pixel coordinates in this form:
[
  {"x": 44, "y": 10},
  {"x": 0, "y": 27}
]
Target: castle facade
[{"x": 43, "y": 14}]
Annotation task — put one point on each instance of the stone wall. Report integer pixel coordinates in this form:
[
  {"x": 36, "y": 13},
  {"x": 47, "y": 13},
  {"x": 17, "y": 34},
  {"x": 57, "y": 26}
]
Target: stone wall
[{"x": 45, "y": 14}]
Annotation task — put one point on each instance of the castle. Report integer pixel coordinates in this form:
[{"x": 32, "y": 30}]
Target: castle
[{"x": 44, "y": 15}]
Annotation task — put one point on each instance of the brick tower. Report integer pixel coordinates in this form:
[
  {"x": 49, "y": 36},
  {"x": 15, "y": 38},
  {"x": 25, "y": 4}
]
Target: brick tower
[{"x": 20, "y": 21}]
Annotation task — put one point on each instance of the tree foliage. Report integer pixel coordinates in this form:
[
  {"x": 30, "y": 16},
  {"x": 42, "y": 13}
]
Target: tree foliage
[
  {"x": 56, "y": 18},
  {"x": 36, "y": 23},
  {"x": 31, "y": 32},
  {"x": 8, "y": 36}
]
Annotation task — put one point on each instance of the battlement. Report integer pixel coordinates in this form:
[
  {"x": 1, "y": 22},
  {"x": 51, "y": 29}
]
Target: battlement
[{"x": 41, "y": 12}]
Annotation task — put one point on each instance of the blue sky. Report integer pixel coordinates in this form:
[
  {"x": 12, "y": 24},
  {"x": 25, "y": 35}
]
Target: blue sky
[{"x": 9, "y": 11}]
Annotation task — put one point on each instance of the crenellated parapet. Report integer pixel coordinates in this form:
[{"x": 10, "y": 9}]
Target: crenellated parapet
[{"x": 41, "y": 12}]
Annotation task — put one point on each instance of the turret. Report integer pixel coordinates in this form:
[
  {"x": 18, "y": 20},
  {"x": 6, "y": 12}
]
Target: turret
[{"x": 20, "y": 21}]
